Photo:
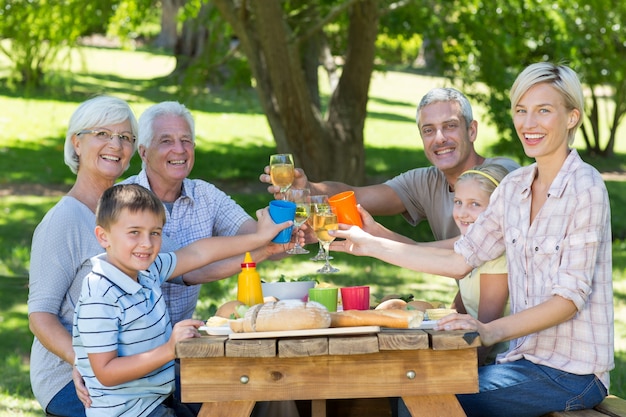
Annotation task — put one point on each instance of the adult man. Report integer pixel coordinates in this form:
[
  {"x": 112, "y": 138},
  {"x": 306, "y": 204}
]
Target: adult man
[
  {"x": 448, "y": 131},
  {"x": 195, "y": 209}
]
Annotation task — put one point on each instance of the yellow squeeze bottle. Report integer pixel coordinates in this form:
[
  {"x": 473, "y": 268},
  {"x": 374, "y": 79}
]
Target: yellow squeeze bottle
[{"x": 249, "y": 289}]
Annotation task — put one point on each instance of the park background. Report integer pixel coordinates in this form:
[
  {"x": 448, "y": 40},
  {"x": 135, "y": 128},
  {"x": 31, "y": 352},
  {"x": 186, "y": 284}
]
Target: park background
[{"x": 234, "y": 137}]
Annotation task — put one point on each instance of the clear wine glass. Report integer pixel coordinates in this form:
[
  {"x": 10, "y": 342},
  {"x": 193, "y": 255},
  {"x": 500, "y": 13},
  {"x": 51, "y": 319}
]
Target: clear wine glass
[
  {"x": 325, "y": 219},
  {"x": 300, "y": 196},
  {"x": 282, "y": 170},
  {"x": 315, "y": 200}
]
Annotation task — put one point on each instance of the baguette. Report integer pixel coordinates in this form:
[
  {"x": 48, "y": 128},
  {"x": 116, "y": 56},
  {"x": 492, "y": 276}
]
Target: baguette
[
  {"x": 399, "y": 319},
  {"x": 284, "y": 315}
]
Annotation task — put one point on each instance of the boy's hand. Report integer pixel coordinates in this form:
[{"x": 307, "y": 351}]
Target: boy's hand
[
  {"x": 300, "y": 180},
  {"x": 185, "y": 329},
  {"x": 266, "y": 226}
]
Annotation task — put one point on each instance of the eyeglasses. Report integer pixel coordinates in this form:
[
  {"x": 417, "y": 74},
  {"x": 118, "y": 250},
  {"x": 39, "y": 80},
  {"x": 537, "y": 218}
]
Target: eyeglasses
[{"x": 107, "y": 135}]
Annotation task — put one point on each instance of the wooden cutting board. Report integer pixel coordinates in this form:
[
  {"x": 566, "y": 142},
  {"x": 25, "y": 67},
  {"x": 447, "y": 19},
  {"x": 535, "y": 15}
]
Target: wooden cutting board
[{"x": 340, "y": 331}]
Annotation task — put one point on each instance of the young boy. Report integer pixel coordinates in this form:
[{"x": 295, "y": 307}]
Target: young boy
[{"x": 122, "y": 335}]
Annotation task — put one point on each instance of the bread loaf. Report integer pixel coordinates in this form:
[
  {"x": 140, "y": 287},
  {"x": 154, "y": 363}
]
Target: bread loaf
[
  {"x": 392, "y": 304},
  {"x": 284, "y": 315},
  {"x": 228, "y": 310},
  {"x": 420, "y": 305},
  {"x": 399, "y": 319}
]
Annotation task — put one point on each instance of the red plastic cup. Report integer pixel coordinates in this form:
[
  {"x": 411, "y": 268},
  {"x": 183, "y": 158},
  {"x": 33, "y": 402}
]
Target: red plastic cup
[
  {"x": 355, "y": 298},
  {"x": 345, "y": 204}
]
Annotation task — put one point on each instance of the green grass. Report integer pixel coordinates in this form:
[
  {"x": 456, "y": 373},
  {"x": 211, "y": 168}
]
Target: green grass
[{"x": 233, "y": 144}]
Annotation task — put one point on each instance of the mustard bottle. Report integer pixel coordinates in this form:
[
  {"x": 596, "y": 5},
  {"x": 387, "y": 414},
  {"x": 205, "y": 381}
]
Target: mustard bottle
[{"x": 249, "y": 289}]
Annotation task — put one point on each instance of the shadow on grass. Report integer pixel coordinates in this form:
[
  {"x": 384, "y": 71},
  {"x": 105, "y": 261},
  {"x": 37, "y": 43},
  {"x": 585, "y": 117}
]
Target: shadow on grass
[{"x": 15, "y": 336}]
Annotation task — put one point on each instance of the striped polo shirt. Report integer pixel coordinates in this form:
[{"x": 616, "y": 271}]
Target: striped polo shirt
[{"x": 115, "y": 313}]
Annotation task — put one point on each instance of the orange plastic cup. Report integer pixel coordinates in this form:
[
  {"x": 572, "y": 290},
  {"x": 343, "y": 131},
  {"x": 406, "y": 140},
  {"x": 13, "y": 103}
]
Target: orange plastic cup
[{"x": 345, "y": 205}]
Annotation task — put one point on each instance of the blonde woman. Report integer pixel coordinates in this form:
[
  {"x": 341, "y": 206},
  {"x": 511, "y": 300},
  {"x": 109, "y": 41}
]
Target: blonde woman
[{"x": 552, "y": 219}]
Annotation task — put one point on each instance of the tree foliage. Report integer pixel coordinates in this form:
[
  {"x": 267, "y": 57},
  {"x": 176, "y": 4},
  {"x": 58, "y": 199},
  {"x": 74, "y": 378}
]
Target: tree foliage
[
  {"x": 39, "y": 33},
  {"x": 487, "y": 43}
]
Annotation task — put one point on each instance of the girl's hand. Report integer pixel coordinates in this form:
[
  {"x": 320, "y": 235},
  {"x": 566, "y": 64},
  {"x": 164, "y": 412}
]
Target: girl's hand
[{"x": 357, "y": 241}]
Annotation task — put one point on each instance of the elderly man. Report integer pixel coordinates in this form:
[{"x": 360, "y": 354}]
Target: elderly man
[{"x": 195, "y": 209}]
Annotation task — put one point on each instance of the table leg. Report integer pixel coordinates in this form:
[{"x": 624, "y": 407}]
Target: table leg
[
  {"x": 226, "y": 409},
  {"x": 318, "y": 408},
  {"x": 434, "y": 405}
]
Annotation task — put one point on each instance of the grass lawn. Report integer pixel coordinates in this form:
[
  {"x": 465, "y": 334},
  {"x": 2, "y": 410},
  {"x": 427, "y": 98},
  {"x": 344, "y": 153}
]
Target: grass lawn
[{"x": 233, "y": 144}]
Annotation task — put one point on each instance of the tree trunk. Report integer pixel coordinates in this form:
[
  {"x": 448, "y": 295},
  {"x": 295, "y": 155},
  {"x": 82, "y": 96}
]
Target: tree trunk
[
  {"x": 169, "y": 24},
  {"x": 326, "y": 148}
]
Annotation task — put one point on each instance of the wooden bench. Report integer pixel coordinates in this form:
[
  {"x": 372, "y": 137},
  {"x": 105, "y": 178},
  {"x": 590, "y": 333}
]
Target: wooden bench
[{"x": 611, "y": 406}]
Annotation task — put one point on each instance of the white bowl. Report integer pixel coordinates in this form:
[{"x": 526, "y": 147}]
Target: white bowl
[{"x": 298, "y": 290}]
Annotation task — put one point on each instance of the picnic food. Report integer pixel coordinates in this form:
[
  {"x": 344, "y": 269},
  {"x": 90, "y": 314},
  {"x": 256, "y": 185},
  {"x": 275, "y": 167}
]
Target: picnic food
[
  {"x": 437, "y": 313},
  {"x": 230, "y": 309},
  {"x": 283, "y": 315},
  {"x": 391, "y": 304},
  {"x": 420, "y": 305},
  {"x": 399, "y": 319}
]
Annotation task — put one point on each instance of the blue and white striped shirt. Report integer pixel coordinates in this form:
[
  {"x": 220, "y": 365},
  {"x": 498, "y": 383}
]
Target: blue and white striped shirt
[{"x": 115, "y": 313}]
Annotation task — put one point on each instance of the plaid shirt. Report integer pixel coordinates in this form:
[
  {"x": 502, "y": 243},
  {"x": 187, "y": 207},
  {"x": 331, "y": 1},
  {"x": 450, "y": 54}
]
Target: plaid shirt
[
  {"x": 566, "y": 251},
  {"x": 202, "y": 210}
]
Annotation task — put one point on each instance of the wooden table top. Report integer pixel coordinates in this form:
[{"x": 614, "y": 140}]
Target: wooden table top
[{"x": 424, "y": 367}]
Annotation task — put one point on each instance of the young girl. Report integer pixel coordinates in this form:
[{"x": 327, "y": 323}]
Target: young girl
[
  {"x": 484, "y": 292},
  {"x": 552, "y": 218}
]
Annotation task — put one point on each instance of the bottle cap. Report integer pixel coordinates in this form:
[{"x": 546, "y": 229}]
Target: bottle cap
[{"x": 248, "y": 262}]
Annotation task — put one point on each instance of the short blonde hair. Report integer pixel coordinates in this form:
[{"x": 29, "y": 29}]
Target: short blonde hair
[{"x": 562, "y": 78}]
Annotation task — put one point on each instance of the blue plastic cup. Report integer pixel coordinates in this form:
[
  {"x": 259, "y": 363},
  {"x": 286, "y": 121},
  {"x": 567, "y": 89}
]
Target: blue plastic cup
[{"x": 282, "y": 211}]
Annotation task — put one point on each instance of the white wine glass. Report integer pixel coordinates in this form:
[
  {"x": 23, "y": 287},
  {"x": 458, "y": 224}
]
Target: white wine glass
[
  {"x": 282, "y": 170},
  {"x": 325, "y": 219},
  {"x": 300, "y": 196},
  {"x": 315, "y": 201}
]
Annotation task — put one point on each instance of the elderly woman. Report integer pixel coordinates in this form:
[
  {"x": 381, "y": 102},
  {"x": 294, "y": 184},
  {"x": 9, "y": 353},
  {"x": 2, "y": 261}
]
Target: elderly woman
[
  {"x": 553, "y": 220},
  {"x": 99, "y": 144}
]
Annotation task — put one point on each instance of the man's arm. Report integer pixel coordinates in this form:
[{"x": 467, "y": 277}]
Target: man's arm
[{"x": 378, "y": 199}]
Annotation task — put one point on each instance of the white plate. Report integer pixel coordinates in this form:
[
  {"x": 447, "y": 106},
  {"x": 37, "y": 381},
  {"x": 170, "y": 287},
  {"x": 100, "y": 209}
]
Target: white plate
[
  {"x": 427, "y": 324},
  {"x": 216, "y": 331}
]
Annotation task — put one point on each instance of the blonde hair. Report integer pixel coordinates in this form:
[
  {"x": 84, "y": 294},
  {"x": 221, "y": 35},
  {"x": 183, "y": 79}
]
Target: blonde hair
[
  {"x": 488, "y": 176},
  {"x": 560, "y": 77}
]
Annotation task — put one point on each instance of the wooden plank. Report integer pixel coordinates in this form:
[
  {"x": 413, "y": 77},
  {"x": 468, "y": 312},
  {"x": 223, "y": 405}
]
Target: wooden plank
[
  {"x": 226, "y": 409},
  {"x": 434, "y": 406},
  {"x": 613, "y": 406},
  {"x": 382, "y": 374},
  {"x": 403, "y": 340},
  {"x": 339, "y": 331},
  {"x": 296, "y": 347},
  {"x": 353, "y": 345},
  {"x": 318, "y": 408},
  {"x": 258, "y": 348},
  {"x": 201, "y": 347},
  {"x": 451, "y": 340}
]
